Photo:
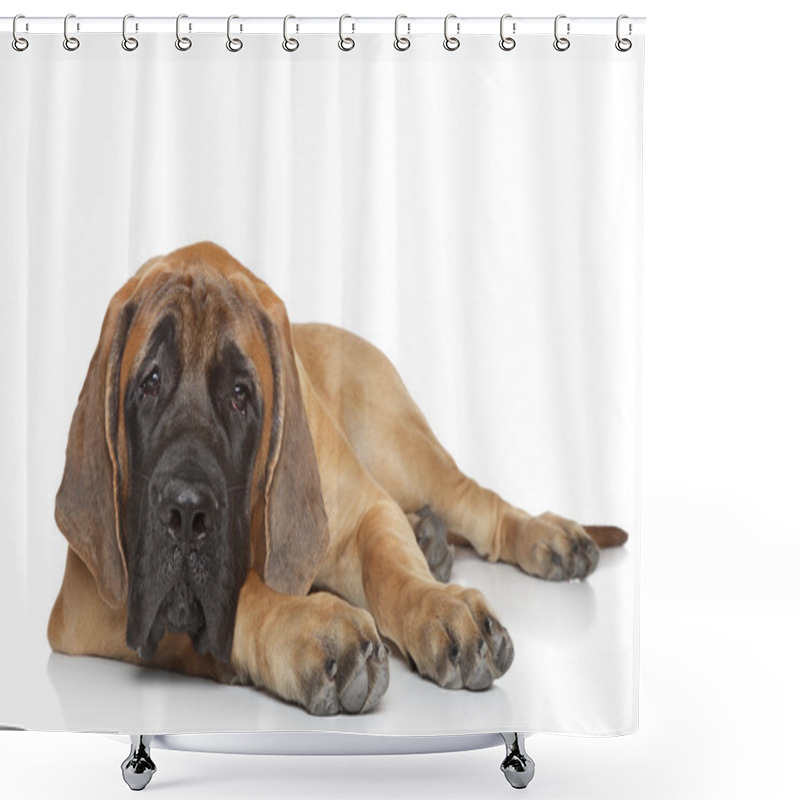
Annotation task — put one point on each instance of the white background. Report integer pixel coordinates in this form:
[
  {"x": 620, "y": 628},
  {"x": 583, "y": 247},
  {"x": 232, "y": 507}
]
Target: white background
[{"x": 719, "y": 695}]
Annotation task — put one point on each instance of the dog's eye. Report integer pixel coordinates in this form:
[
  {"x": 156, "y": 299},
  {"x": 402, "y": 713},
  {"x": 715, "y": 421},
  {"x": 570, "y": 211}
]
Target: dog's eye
[
  {"x": 239, "y": 398},
  {"x": 151, "y": 384}
]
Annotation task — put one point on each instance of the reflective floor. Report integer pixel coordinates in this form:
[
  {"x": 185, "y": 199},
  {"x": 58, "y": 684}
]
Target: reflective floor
[{"x": 573, "y": 672}]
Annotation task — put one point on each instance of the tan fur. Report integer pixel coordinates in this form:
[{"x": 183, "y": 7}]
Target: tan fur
[{"x": 377, "y": 461}]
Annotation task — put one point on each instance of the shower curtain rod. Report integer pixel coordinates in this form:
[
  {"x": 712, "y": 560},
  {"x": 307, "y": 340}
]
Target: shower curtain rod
[{"x": 322, "y": 25}]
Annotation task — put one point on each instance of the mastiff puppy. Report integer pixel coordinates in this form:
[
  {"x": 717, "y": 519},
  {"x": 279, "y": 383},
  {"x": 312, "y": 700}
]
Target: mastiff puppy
[{"x": 263, "y": 503}]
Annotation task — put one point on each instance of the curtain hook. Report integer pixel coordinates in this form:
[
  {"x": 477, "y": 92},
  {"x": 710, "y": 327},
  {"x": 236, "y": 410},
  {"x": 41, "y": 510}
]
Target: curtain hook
[
  {"x": 401, "y": 42},
  {"x": 451, "y": 42},
  {"x": 71, "y": 43},
  {"x": 289, "y": 45},
  {"x": 129, "y": 43},
  {"x": 623, "y": 45},
  {"x": 346, "y": 43},
  {"x": 506, "y": 42},
  {"x": 183, "y": 43},
  {"x": 18, "y": 42},
  {"x": 234, "y": 45},
  {"x": 561, "y": 43}
]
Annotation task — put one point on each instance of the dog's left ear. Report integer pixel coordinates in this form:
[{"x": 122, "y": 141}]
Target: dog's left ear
[{"x": 296, "y": 524}]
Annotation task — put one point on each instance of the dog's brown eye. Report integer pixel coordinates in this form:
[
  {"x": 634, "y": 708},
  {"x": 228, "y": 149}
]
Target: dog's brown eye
[
  {"x": 239, "y": 398},
  {"x": 150, "y": 385}
]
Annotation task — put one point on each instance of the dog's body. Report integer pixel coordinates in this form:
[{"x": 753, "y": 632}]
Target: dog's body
[{"x": 243, "y": 462}]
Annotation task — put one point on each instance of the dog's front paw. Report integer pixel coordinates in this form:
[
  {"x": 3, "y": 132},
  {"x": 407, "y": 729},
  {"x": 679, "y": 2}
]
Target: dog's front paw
[
  {"x": 317, "y": 651},
  {"x": 345, "y": 663},
  {"x": 456, "y": 640},
  {"x": 553, "y": 548}
]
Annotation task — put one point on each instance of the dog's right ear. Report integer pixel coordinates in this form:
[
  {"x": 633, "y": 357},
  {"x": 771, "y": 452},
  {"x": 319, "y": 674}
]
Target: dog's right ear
[{"x": 88, "y": 501}]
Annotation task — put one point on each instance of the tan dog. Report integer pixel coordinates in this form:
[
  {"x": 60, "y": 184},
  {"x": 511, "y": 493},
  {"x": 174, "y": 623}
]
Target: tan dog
[{"x": 222, "y": 463}]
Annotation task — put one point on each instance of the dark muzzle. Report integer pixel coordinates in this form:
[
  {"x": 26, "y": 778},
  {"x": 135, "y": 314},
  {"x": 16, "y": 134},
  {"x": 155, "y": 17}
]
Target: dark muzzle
[{"x": 184, "y": 568}]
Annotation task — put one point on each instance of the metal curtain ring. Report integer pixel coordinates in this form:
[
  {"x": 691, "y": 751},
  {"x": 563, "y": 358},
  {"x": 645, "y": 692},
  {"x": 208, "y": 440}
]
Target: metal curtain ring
[
  {"x": 183, "y": 43},
  {"x": 234, "y": 45},
  {"x": 561, "y": 43},
  {"x": 71, "y": 43},
  {"x": 401, "y": 43},
  {"x": 450, "y": 42},
  {"x": 129, "y": 43},
  {"x": 18, "y": 42},
  {"x": 289, "y": 44},
  {"x": 346, "y": 43},
  {"x": 623, "y": 45},
  {"x": 506, "y": 42}
]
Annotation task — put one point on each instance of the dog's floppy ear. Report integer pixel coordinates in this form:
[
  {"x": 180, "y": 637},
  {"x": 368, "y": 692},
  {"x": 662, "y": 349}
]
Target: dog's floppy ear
[
  {"x": 88, "y": 501},
  {"x": 296, "y": 523}
]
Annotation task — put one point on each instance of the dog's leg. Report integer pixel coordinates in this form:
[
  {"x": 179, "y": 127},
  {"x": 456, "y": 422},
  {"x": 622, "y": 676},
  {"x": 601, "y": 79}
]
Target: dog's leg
[
  {"x": 317, "y": 651},
  {"x": 373, "y": 560},
  {"x": 448, "y": 633},
  {"x": 547, "y": 546},
  {"x": 422, "y": 477},
  {"x": 395, "y": 444}
]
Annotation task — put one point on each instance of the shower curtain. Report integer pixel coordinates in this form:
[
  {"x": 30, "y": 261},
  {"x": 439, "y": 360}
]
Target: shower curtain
[{"x": 472, "y": 210}]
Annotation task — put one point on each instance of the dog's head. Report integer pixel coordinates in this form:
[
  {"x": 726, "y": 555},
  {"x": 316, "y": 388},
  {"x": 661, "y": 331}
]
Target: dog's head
[{"x": 190, "y": 457}]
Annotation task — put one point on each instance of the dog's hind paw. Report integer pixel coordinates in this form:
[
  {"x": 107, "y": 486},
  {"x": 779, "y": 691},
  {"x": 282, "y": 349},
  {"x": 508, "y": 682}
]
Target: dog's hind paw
[
  {"x": 551, "y": 547},
  {"x": 432, "y": 539}
]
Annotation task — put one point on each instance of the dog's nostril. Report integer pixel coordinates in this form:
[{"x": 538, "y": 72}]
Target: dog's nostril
[
  {"x": 174, "y": 522},
  {"x": 200, "y": 525}
]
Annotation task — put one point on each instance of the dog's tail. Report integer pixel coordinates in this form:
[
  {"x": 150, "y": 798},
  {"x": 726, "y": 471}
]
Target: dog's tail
[{"x": 606, "y": 535}]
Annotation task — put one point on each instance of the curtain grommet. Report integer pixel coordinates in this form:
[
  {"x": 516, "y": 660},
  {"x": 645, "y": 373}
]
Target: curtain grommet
[
  {"x": 401, "y": 43},
  {"x": 71, "y": 43},
  {"x": 561, "y": 43},
  {"x": 289, "y": 44},
  {"x": 183, "y": 43},
  {"x": 234, "y": 45},
  {"x": 346, "y": 43},
  {"x": 507, "y": 43},
  {"x": 451, "y": 43},
  {"x": 129, "y": 43},
  {"x": 19, "y": 43}
]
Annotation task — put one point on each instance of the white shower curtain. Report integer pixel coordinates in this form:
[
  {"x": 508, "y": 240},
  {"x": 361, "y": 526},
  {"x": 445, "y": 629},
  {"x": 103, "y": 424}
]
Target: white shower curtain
[{"x": 476, "y": 214}]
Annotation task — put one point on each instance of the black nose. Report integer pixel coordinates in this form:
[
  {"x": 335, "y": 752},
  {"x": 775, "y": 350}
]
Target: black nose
[{"x": 188, "y": 510}]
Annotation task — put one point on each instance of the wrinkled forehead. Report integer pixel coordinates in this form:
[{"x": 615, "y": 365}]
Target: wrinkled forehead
[{"x": 198, "y": 314}]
